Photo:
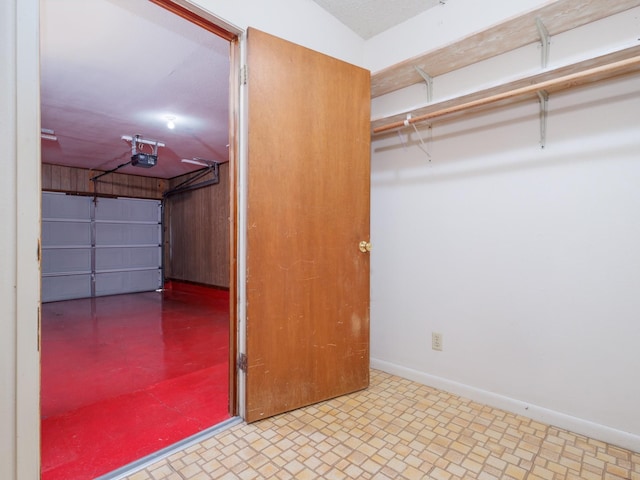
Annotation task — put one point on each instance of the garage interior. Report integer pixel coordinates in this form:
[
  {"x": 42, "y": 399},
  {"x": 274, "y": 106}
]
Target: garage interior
[{"x": 135, "y": 234}]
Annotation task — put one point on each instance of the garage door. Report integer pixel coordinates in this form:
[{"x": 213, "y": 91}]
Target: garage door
[{"x": 106, "y": 247}]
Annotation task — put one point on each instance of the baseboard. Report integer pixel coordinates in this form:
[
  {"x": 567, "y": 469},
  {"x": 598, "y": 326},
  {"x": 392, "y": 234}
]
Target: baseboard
[{"x": 577, "y": 425}]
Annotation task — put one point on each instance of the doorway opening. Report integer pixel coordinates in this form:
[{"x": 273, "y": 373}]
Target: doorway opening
[{"x": 136, "y": 368}]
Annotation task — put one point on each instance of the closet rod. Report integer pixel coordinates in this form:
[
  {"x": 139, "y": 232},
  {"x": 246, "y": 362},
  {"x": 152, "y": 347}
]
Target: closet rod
[{"x": 566, "y": 81}]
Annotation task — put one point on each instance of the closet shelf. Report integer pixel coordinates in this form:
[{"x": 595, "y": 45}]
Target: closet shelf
[
  {"x": 614, "y": 64},
  {"x": 557, "y": 17}
]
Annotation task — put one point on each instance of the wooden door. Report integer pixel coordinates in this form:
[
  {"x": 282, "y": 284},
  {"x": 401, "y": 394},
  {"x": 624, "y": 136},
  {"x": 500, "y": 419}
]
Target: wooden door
[{"x": 308, "y": 210}]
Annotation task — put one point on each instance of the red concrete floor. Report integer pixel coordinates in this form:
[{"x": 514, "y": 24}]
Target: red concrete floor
[{"x": 127, "y": 375}]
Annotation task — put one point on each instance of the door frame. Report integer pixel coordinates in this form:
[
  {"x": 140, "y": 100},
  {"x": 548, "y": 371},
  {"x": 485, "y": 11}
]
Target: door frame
[{"x": 20, "y": 279}]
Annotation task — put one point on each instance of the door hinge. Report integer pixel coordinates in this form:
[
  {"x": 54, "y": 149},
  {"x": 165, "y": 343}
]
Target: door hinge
[
  {"x": 242, "y": 362},
  {"x": 243, "y": 75}
]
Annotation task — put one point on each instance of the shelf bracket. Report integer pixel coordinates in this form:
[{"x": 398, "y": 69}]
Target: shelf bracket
[
  {"x": 428, "y": 80},
  {"x": 543, "y": 96},
  {"x": 546, "y": 41}
]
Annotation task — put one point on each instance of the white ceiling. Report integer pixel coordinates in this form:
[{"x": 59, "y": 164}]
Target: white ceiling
[
  {"x": 117, "y": 67},
  {"x": 113, "y": 68},
  {"x": 368, "y": 18}
]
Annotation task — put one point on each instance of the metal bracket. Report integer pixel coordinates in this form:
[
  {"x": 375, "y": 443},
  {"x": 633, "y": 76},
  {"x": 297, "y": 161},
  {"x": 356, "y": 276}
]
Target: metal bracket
[
  {"x": 244, "y": 74},
  {"x": 543, "y": 96},
  {"x": 242, "y": 362},
  {"x": 188, "y": 184},
  {"x": 428, "y": 80},
  {"x": 546, "y": 41}
]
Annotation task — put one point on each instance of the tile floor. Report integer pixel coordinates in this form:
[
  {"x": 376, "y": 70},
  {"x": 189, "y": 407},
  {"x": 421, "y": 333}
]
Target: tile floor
[{"x": 396, "y": 429}]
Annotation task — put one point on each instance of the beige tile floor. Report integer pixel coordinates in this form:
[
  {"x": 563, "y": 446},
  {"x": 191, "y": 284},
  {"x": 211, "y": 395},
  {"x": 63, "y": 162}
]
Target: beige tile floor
[{"x": 396, "y": 429}]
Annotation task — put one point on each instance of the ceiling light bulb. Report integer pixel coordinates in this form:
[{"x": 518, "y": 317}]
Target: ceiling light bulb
[{"x": 170, "y": 119}]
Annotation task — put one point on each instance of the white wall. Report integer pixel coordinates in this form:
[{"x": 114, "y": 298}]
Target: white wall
[
  {"x": 525, "y": 259},
  {"x": 299, "y": 21}
]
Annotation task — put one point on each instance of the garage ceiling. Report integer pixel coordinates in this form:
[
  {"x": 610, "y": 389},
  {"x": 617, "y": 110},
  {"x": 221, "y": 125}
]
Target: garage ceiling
[{"x": 114, "y": 68}]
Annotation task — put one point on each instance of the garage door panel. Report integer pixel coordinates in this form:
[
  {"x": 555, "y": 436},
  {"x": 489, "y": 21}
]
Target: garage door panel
[
  {"x": 127, "y": 234},
  {"x": 127, "y": 209},
  {"x": 61, "y": 206},
  {"x": 58, "y": 233},
  {"x": 66, "y": 260},
  {"x": 114, "y": 283},
  {"x": 122, "y": 258},
  {"x": 66, "y": 287}
]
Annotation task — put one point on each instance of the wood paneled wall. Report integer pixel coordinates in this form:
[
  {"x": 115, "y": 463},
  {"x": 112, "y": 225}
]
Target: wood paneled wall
[
  {"x": 58, "y": 178},
  {"x": 197, "y": 233}
]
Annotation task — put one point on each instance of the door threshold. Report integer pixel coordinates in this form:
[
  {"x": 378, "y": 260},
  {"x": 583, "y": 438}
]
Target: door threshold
[{"x": 144, "y": 462}]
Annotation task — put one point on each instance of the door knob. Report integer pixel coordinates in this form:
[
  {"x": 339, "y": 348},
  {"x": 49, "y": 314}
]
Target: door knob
[{"x": 365, "y": 246}]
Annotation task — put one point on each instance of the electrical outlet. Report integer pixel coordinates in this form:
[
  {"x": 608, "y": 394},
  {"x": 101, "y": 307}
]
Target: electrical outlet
[{"x": 436, "y": 341}]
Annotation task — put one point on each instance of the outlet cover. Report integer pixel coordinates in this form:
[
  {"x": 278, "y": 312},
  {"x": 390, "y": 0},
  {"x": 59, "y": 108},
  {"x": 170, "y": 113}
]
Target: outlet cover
[{"x": 436, "y": 341}]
